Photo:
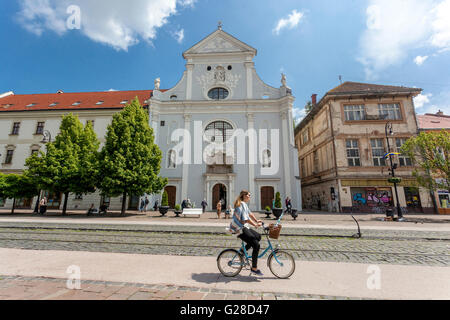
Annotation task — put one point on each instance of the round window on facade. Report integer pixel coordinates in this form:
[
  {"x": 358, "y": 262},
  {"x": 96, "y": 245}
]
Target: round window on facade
[{"x": 218, "y": 93}]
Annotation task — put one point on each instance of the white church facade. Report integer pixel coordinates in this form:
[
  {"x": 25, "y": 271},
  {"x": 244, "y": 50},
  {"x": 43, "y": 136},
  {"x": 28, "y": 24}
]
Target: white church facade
[{"x": 221, "y": 129}]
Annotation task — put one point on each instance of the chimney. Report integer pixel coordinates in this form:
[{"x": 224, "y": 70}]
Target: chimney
[
  {"x": 314, "y": 99},
  {"x": 440, "y": 113},
  {"x": 6, "y": 94}
]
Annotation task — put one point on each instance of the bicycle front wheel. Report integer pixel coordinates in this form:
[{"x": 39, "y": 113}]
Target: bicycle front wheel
[
  {"x": 230, "y": 263},
  {"x": 281, "y": 264}
]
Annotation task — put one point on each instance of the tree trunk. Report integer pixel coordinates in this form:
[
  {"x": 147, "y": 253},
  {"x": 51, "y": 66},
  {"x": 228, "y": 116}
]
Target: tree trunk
[
  {"x": 14, "y": 206},
  {"x": 124, "y": 202},
  {"x": 66, "y": 197}
]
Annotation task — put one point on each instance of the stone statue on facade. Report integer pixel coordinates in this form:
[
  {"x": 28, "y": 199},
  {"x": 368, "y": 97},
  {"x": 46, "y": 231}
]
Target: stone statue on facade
[
  {"x": 157, "y": 83},
  {"x": 283, "y": 80}
]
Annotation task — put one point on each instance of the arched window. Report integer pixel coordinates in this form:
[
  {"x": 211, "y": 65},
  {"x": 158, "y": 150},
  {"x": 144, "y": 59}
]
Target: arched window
[
  {"x": 266, "y": 159},
  {"x": 218, "y": 131},
  {"x": 171, "y": 159},
  {"x": 218, "y": 93}
]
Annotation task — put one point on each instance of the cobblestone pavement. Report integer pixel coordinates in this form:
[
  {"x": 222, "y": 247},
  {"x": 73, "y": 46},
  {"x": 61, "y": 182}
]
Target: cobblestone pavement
[
  {"x": 334, "y": 245},
  {"x": 32, "y": 288}
]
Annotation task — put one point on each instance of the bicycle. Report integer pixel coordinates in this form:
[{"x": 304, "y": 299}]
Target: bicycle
[{"x": 281, "y": 263}]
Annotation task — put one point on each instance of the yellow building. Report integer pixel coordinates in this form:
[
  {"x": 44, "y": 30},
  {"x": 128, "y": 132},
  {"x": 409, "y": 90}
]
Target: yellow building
[{"x": 342, "y": 144}]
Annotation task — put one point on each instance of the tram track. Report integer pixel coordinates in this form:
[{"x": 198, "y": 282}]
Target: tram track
[
  {"x": 214, "y": 233},
  {"x": 188, "y": 243}
]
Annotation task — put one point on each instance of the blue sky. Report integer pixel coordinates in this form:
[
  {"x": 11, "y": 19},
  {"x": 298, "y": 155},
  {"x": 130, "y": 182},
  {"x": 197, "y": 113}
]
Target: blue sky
[{"x": 125, "y": 45}]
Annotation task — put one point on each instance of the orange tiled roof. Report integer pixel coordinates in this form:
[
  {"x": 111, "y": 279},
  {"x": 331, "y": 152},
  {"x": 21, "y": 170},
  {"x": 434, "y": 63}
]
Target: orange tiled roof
[
  {"x": 433, "y": 121},
  {"x": 357, "y": 87},
  {"x": 66, "y": 101}
]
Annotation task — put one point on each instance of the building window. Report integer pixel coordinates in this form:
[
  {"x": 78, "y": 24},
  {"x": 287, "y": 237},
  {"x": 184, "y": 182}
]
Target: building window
[
  {"x": 54, "y": 104},
  {"x": 355, "y": 113},
  {"x": 378, "y": 152},
  {"x": 402, "y": 159},
  {"x": 353, "y": 153},
  {"x": 92, "y": 122},
  {"x": 163, "y": 123},
  {"x": 100, "y": 102},
  {"x": 316, "y": 161},
  {"x": 76, "y": 103},
  {"x": 9, "y": 156},
  {"x": 218, "y": 93},
  {"x": 40, "y": 127},
  {"x": 34, "y": 151},
  {"x": 171, "y": 159},
  {"x": 124, "y": 102},
  {"x": 266, "y": 159},
  {"x": 303, "y": 168},
  {"x": 219, "y": 131},
  {"x": 16, "y": 128},
  {"x": 389, "y": 111},
  {"x": 31, "y": 105},
  {"x": 305, "y": 136}
]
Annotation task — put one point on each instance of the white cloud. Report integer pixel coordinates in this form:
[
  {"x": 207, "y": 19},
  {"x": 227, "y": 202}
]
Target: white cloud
[
  {"x": 421, "y": 100},
  {"x": 419, "y": 60},
  {"x": 113, "y": 22},
  {"x": 394, "y": 27},
  {"x": 290, "y": 22},
  {"x": 298, "y": 114},
  {"x": 441, "y": 25},
  {"x": 178, "y": 35}
]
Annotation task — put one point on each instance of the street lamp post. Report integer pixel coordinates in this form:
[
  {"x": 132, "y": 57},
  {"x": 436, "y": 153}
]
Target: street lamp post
[
  {"x": 47, "y": 139},
  {"x": 389, "y": 131}
]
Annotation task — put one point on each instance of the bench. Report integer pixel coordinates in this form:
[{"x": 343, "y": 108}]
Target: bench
[{"x": 193, "y": 211}]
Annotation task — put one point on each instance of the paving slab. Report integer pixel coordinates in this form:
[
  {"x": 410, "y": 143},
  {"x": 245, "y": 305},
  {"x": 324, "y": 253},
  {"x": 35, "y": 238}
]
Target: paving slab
[{"x": 354, "y": 280}]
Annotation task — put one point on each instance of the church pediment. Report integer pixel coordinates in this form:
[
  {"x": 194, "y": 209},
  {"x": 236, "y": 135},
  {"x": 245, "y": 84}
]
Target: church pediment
[{"x": 220, "y": 42}]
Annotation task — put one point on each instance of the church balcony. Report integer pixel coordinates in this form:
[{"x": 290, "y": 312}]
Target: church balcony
[{"x": 219, "y": 169}]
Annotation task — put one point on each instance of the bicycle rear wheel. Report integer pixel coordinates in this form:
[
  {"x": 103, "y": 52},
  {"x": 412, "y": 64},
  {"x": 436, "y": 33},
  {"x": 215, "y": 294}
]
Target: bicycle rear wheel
[
  {"x": 281, "y": 264},
  {"x": 230, "y": 263}
]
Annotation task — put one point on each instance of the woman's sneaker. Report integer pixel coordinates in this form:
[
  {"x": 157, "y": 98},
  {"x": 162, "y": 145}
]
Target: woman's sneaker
[{"x": 257, "y": 272}]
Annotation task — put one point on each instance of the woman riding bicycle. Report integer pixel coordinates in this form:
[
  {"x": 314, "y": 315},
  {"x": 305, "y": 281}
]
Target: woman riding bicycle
[{"x": 240, "y": 226}]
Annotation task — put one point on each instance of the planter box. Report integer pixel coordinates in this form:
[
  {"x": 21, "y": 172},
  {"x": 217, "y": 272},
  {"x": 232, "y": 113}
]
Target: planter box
[
  {"x": 277, "y": 212},
  {"x": 163, "y": 210}
]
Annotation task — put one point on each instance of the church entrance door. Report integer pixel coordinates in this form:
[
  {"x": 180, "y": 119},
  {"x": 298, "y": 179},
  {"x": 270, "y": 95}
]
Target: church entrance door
[
  {"x": 267, "y": 196},
  {"x": 171, "y": 195},
  {"x": 219, "y": 193}
]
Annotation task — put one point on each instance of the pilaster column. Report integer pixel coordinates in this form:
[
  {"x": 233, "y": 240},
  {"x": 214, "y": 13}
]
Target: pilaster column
[
  {"x": 190, "y": 68},
  {"x": 252, "y": 157},
  {"x": 249, "y": 68},
  {"x": 286, "y": 158},
  {"x": 186, "y": 156}
]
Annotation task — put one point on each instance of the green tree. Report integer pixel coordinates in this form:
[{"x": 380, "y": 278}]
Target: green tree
[
  {"x": 17, "y": 186},
  {"x": 278, "y": 200},
  {"x": 308, "y": 107},
  {"x": 130, "y": 161},
  {"x": 71, "y": 161},
  {"x": 165, "y": 199},
  {"x": 430, "y": 152}
]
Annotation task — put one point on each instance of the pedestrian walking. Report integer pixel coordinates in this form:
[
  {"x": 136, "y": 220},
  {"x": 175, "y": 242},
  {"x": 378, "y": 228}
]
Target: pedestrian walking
[
  {"x": 155, "y": 206},
  {"x": 204, "y": 205},
  {"x": 146, "y": 202},
  {"x": 219, "y": 208},
  {"x": 228, "y": 212},
  {"x": 141, "y": 205},
  {"x": 43, "y": 206}
]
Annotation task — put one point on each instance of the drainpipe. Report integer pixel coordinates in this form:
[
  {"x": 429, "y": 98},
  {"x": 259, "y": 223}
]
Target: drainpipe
[{"x": 338, "y": 182}]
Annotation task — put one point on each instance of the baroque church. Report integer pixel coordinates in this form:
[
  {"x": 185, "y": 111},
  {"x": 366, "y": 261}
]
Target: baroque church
[{"x": 221, "y": 130}]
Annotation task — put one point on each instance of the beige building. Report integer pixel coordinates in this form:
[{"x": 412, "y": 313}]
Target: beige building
[
  {"x": 437, "y": 122},
  {"x": 342, "y": 145}
]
